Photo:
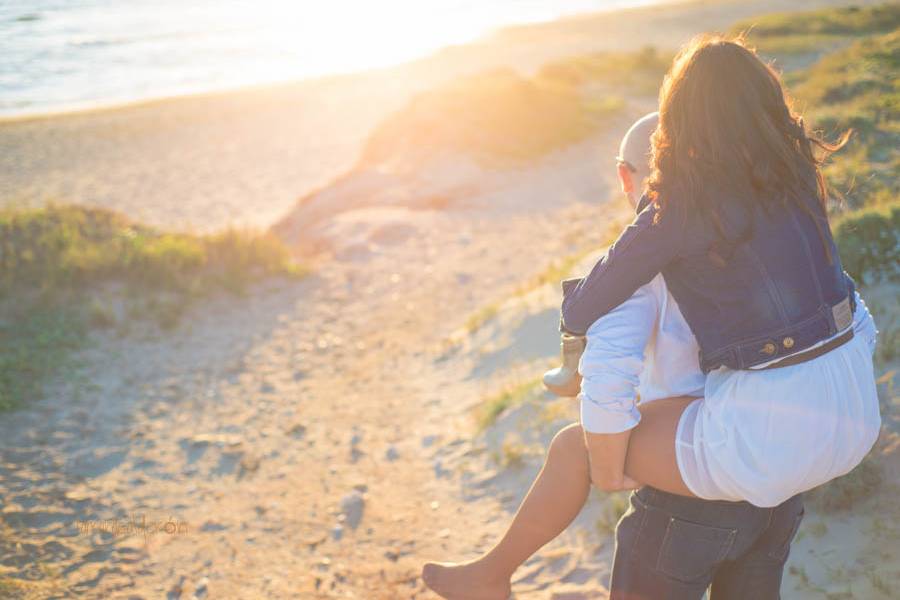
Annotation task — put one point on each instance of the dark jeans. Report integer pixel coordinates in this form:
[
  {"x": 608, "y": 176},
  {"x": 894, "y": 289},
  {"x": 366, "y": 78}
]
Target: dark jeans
[{"x": 672, "y": 547}]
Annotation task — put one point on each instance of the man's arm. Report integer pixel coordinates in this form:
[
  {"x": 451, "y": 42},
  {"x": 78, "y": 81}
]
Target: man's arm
[{"x": 610, "y": 367}]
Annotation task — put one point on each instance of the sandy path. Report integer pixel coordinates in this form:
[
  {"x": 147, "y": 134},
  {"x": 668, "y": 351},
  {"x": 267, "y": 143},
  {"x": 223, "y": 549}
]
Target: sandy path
[{"x": 253, "y": 422}]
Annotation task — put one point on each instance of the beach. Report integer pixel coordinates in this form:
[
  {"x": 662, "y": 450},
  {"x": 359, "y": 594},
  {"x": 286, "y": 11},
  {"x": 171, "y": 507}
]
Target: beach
[
  {"x": 243, "y": 157},
  {"x": 323, "y": 436}
]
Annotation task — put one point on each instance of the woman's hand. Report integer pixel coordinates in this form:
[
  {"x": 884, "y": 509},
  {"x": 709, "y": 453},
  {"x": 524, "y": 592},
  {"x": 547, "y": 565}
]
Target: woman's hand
[{"x": 621, "y": 484}]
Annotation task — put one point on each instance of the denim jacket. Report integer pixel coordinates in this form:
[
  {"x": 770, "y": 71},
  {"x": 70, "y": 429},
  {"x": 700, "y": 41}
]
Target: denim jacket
[{"x": 775, "y": 293}]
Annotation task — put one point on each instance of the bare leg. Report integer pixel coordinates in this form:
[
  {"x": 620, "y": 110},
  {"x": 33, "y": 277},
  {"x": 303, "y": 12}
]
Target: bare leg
[
  {"x": 558, "y": 495},
  {"x": 651, "y": 447},
  {"x": 554, "y": 500}
]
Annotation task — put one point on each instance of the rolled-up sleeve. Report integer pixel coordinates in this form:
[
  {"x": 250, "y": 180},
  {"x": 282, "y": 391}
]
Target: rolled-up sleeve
[{"x": 612, "y": 362}]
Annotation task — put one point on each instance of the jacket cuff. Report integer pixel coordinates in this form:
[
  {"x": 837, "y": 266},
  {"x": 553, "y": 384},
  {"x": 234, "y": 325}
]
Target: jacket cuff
[{"x": 567, "y": 286}]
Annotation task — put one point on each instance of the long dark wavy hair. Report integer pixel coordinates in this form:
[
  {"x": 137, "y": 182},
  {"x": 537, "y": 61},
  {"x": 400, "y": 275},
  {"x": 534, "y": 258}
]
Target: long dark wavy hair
[{"x": 726, "y": 123}]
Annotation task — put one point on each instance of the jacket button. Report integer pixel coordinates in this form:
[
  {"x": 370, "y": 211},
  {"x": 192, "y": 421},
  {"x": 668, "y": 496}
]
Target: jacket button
[
  {"x": 768, "y": 348},
  {"x": 788, "y": 342}
]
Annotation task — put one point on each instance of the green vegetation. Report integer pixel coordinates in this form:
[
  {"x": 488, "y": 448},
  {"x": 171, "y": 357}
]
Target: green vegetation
[
  {"x": 788, "y": 33},
  {"x": 869, "y": 243},
  {"x": 36, "y": 345},
  {"x": 614, "y": 508},
  {"x": 561, "y": 268},
  {"x": 553, "y": 273},
  {"x": 65, "y": 269},
  {"x": 65, "y": 247},
  {"x": 886, "y": 313},
  {"x": 481, "y": 316},
  {"x": 640, "y": 71},
  {"x": 498, "y": 117},
  {"x": 494, "y": 406},
  {"x": 857, "y": 88},
  {"x": 512, "y": 454}
]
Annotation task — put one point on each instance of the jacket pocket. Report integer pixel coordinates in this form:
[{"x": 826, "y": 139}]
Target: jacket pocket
[{"x": 690, "y": 551}]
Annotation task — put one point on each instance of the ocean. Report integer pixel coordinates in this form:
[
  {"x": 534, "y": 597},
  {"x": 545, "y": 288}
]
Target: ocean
[{"x": 57, "y": 55}]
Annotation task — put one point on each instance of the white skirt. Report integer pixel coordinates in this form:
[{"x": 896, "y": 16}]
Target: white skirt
[{"x": 766, "y": 435}]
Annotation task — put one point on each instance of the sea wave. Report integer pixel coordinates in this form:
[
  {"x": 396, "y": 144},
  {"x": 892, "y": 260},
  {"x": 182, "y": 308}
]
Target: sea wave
[{"x": 59, "y": 53}]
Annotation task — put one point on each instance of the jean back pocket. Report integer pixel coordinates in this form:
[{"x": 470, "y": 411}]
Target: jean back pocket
[{"x": 691, "y": 551}]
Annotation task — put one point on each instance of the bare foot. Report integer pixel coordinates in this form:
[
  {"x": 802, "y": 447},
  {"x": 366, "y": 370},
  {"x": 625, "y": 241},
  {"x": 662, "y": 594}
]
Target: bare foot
[{"x": 465, "y": 581}]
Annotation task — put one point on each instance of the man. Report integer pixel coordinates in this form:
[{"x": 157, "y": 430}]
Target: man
[{"x": 667, "y": 546}]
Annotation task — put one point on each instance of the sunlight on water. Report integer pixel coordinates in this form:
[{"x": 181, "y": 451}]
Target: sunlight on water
[{"x": 58, "y": 53}]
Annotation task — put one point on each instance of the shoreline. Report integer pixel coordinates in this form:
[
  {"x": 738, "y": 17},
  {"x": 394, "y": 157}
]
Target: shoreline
[
  {"x": 501, "y": 35},
  {"x": 322, "y": 79}
]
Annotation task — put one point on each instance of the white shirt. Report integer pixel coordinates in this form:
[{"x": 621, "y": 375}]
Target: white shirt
[{"x": 644, "y": 348}]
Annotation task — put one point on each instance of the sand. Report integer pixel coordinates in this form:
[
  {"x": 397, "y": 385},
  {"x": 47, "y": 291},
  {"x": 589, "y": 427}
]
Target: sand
[{"x": 318, "y": 439}]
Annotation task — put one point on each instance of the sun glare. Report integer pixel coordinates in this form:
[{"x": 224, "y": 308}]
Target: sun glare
[{"x": 349, "y": 35}]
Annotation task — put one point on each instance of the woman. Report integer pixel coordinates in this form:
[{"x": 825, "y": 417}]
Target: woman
[{"x": 735, "y": 219}]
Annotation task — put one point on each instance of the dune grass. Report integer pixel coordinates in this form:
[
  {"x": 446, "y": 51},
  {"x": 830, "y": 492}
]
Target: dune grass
[
  {"x": 857, "y": 87},
  {"x": 493, "y": 406},
  {"x": 615, "y": 505},
  {"x": 499, "y": 118},
  {"x": 63, "y": 267},
  {"x": 791, "y": 32},
  {"x": 869, "y": 243},
  {"x": 67, "y": 247},
  {"x": 554, "y": 272},
  {"x": 637, "y": 72},
  {"x": 512, "y": 453},
  {"x": 37, "y": 344}
]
